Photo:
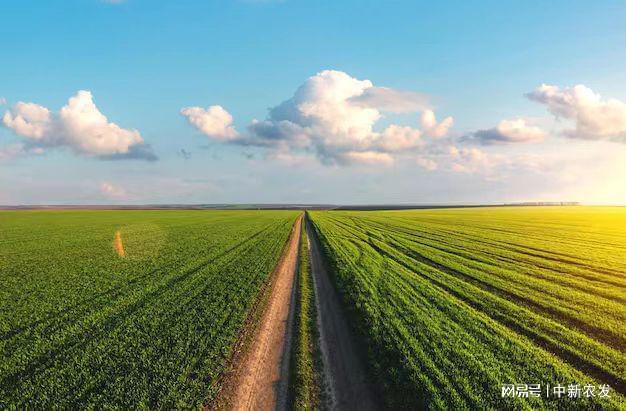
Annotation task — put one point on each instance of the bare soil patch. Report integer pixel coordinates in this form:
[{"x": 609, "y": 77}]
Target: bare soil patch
[{"x": 118, "y": 244}]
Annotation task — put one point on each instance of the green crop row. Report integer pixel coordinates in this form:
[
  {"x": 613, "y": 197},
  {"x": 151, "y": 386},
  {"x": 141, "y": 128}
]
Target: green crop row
[
  {"x": 84, "y": 326},
  {"x": 451, "y": 305}
]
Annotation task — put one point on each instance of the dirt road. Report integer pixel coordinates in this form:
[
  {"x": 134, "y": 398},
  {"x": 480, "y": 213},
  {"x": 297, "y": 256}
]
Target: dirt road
[
  {"x": 261, "y": 383},
  {"x": 346, "y": 386}
]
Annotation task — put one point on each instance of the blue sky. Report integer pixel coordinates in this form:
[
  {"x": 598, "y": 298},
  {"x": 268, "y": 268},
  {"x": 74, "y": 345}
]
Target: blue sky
[{"x": 143, "y": 61}]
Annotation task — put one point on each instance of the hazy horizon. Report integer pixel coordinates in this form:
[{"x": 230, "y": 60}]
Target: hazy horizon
[{"x": 313, "y": 204}]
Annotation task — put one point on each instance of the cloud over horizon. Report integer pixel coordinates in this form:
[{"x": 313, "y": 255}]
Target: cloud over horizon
[
  {"x": 595, "y": 118},
  {"x": 214, "y": 121},
  {"x": 333, "y": 116},
  {"x": 79, "y": 126}
]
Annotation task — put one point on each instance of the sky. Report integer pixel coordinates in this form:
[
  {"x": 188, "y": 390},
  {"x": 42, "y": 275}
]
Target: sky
[{"x": 351, "y": 102}]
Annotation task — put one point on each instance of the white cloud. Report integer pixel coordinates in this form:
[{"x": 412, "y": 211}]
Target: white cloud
[
  {"x": 87, "y": 130},
  {"x": 595, "y": 118},
  {"x": 214, "y": 121},
  {"x": 472, "y": 160},
  {"x": 3, "y": 101},
  {"x": 332, "y": 115},
  {"x": 80, "y": 126},
  {"x": 28, "y": 120},
  {"x": 112, "y": 191},
  {"x": 491, "y": 165},
  {"x": 322, "y": 105},
  {"x": 509, "y": 131},
  {"x": 434, "y": 129},
  {"x": 397, "y": 138}
]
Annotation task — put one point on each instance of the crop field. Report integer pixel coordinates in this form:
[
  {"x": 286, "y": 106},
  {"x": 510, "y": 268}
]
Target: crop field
[
  {"x": 450, "y": 305},
  {"x": 127, "y": 309}
]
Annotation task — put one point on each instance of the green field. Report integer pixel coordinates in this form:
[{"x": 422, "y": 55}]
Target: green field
[
  {"x": 142, "y": 309},
  {"x": 451, "y": 304},
  {"x": 82, "y": 325}
]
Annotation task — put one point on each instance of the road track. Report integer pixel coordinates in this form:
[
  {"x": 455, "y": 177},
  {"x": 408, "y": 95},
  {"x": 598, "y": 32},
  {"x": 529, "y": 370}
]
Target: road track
[
  {"x": 345, "y": 383},
  {"x": 262, "y": 379}
]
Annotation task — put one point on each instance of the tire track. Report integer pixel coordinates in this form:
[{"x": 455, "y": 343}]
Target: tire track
[
  {"x": 262, "y": 377},
  {"x": 346, "y": 386}
]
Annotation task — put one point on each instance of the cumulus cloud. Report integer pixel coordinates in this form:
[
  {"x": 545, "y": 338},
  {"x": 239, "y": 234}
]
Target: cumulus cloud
[
  {"x": 334, "y": 116},
  {"x": 508, "y": 131},
  {"x": 80, "y": 126},
  {"x": 432, "y": 128},
  {"x": 28, "y": 120},
  {"x": 213, "y": 121},
  {"x": 398, "y": 138},
  {"x": 595, "y": 118}
]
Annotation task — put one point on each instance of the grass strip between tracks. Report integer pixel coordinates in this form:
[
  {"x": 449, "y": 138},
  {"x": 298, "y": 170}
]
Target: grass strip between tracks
[{"x": 305, "y": 382}]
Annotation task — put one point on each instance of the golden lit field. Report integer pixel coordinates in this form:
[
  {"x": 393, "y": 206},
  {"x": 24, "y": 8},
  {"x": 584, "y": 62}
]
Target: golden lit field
[{"x": 454, "y": 304}]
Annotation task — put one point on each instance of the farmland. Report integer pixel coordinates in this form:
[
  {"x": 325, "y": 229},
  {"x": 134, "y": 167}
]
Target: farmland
[
  {"x": 145, "y": 308},
  {"x": 449, "y": 305},
  {"x": 127, "y": 308}
]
